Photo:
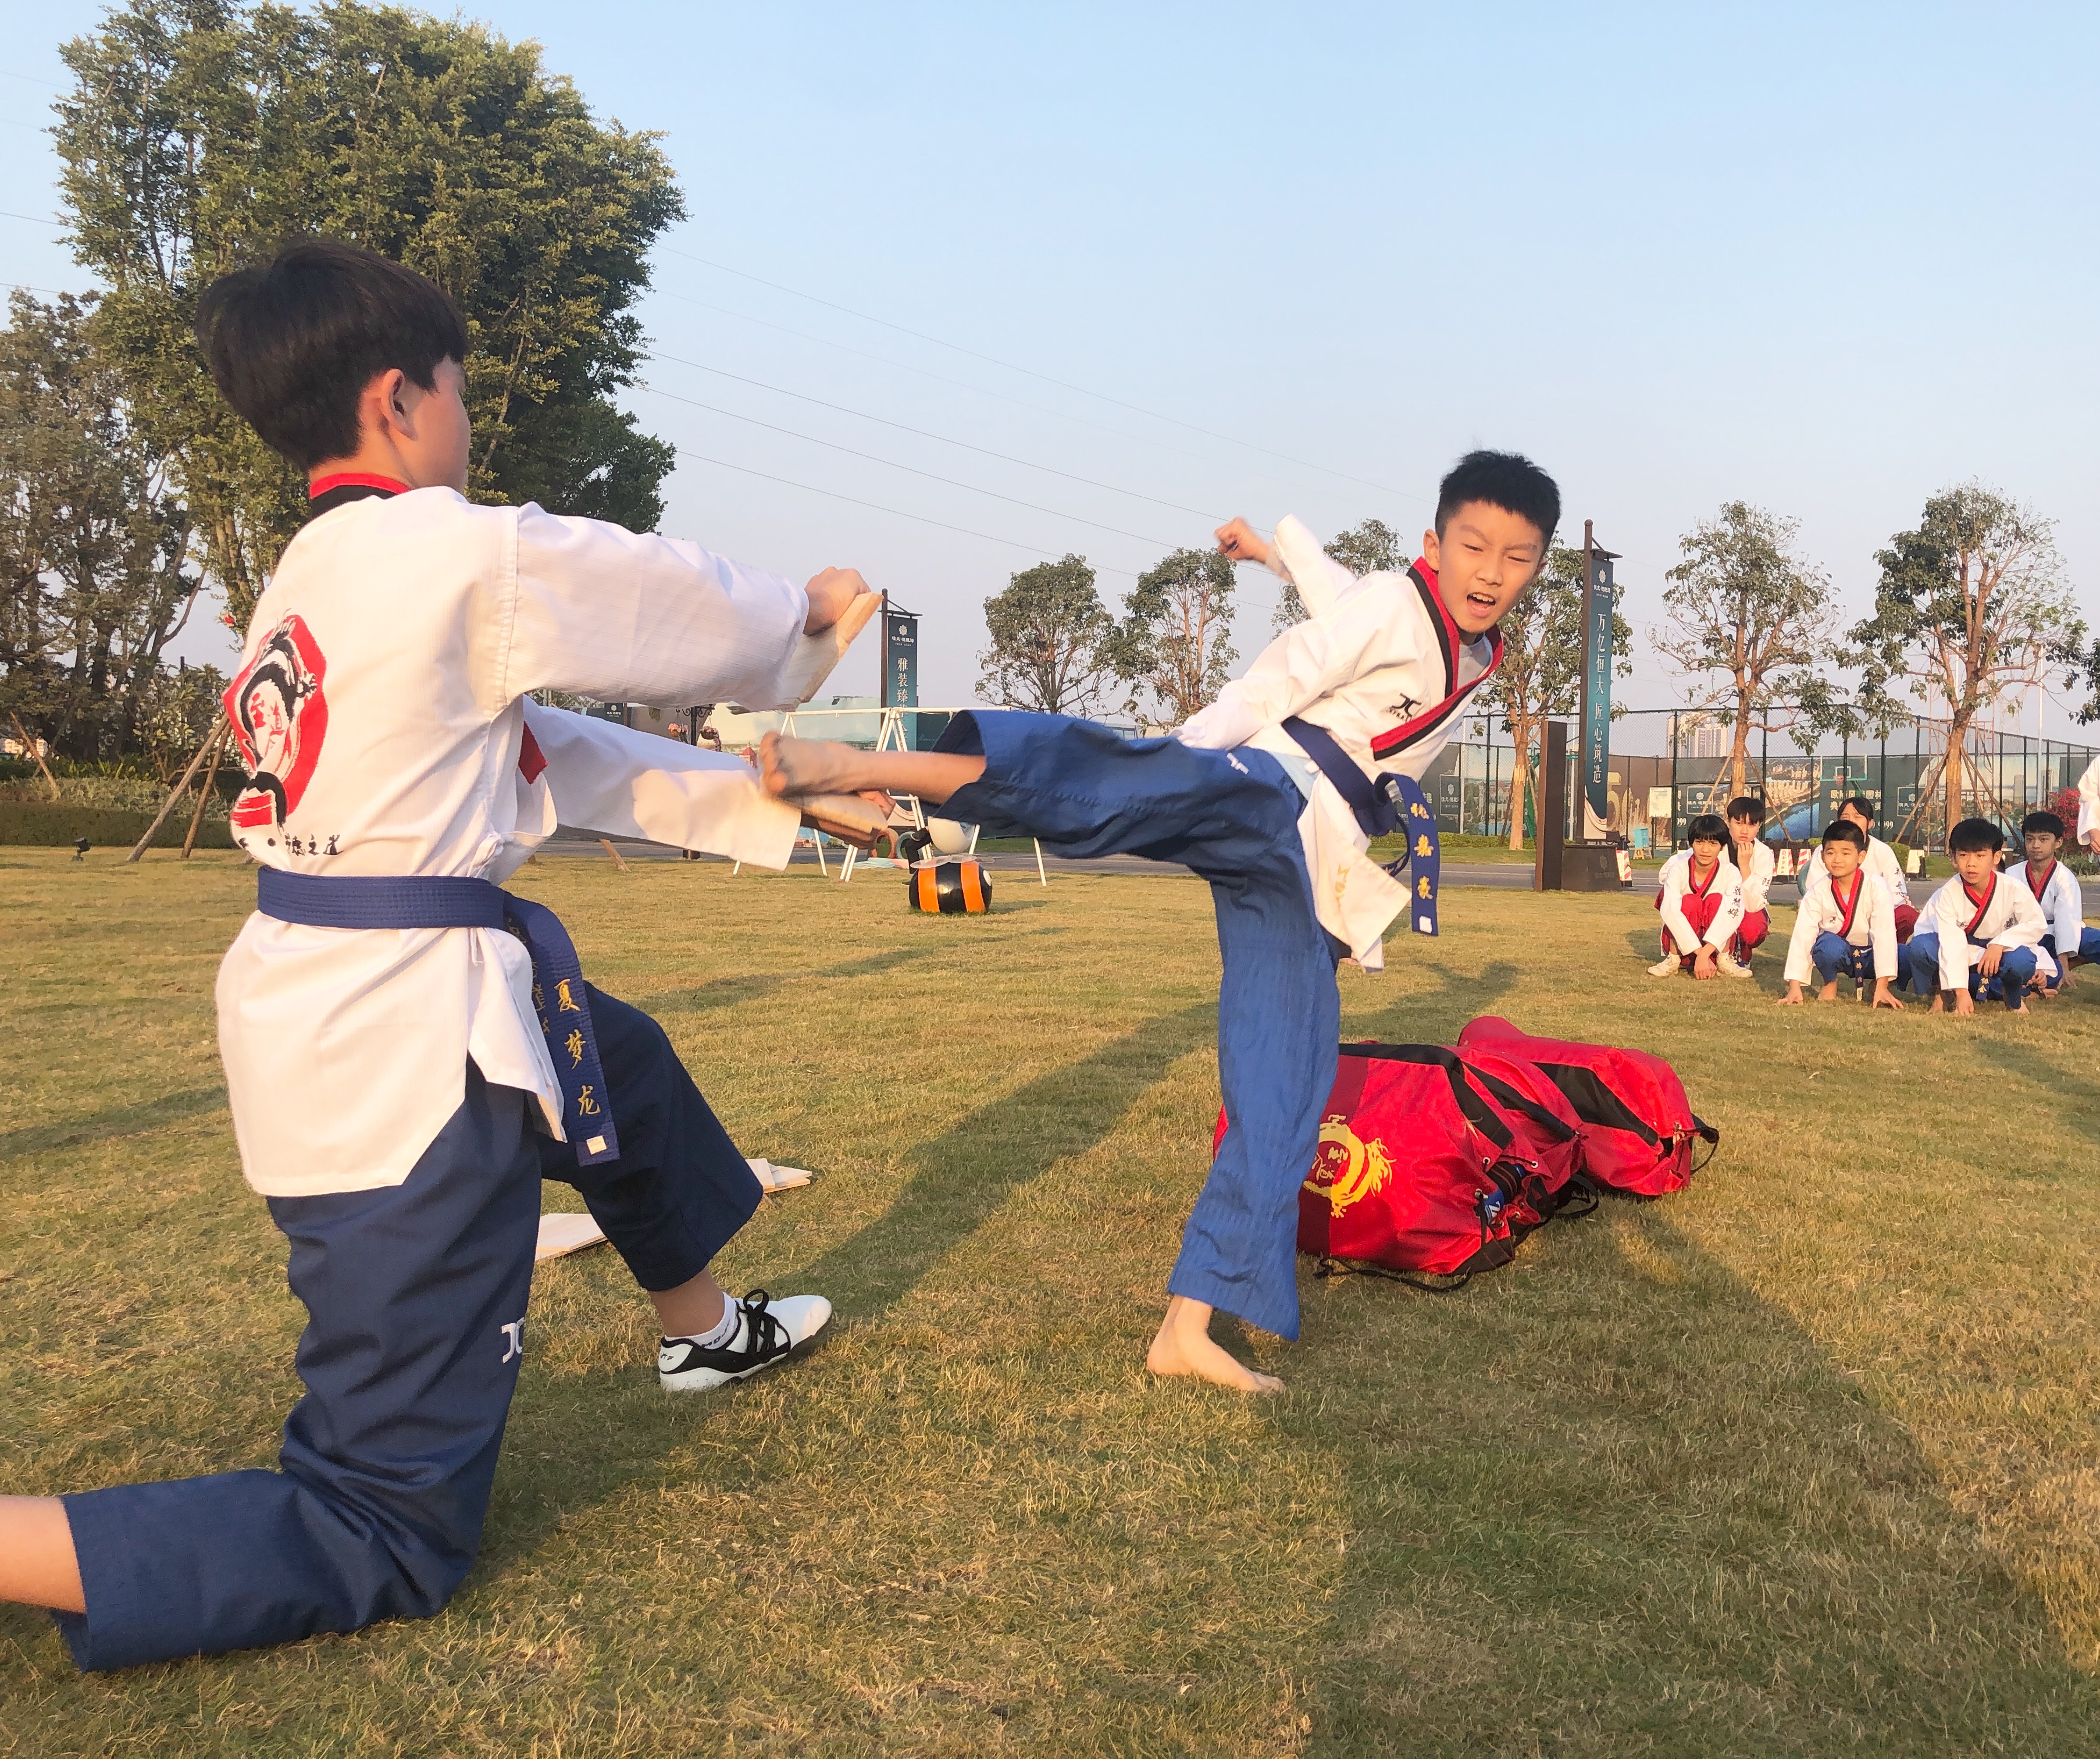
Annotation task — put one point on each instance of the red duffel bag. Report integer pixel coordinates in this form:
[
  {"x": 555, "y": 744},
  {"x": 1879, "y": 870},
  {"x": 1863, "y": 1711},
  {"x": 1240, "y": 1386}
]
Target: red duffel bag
[
  {"x": 1638, "y": 1127},
  {"x": 1418, "y": 1171}
]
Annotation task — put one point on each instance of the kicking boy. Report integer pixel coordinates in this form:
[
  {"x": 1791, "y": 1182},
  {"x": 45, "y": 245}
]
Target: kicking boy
[
  {"x": 1701, "y": 898},
  {"x": 1881, "y": 862},
  {"x": 1846, "y": 922},
  {"x": 1982, "y": 924},
  {"x": 1755, "y": 862},
  {"x": 2055, "y": 888},
  {"x": 1272, "y": 793},
  {"x": 402, "y": 1071}
]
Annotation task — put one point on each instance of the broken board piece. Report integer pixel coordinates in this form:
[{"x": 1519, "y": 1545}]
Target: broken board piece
[
  {"x": 562, "y": 1235},
  {"x": 779, "y": 1179}
]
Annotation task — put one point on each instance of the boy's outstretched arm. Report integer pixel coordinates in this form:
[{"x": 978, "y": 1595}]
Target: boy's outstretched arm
[{"x": 38, "y": 1567}]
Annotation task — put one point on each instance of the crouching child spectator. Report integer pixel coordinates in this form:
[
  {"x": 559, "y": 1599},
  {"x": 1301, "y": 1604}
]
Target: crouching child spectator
[
  {"x": 1755, "y": 862},
  {"x": 1845, "y": 924},
  {"x": 2055, "y": 888},
  {"x": 1701, "y": 902},
  {"x": 1981, "y": 924},
  {"x": 1881, "y": 864}
]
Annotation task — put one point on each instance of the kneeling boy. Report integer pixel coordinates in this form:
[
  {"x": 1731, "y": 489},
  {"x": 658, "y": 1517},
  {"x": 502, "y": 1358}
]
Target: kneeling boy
[
  {"x": 2068, "y": 940},
  {"x": 409, "y": 1050},
  {"x": 1272, "y": 794},
  {"x": 1846, "y": 923},
  {"x": 1700, "y": 897},
  {"x": 1982, "y": 924}
]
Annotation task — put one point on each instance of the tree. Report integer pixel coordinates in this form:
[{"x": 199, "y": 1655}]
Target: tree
[
  {"x": 1748, "y": 612},
  {"x": 1054, "y": 647},
  {"x": 1971, "y": 606},
  {"x": 201, "y": 134},
  {"x": 1541, "y": 675},
  {"x": 93, "y": 542},
  {"x": 1175, "y": 641},
  {"x": 1372, "y": 547}
]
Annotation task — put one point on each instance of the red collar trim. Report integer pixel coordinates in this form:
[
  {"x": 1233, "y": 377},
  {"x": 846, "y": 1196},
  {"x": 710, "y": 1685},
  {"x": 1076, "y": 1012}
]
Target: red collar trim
[
  {"x": 1849, "y": 906},
  {"x": 2046, "y": 873},
  {"x": 1697, "y": 887},
  {"x": 1983, "y": 904},
  {"x": 321, "y": 485}
]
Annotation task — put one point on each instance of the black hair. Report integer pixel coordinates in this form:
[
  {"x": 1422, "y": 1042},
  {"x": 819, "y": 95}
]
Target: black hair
[
  {"x": 1505, "y": 480},
  {"x": 294, "y": 342},
  {"x": 1746, "y": 807},
  {"x": 1707, "y": 828},
  {"x": 1845, "y": 831},
  {"x": 1861, "y": 804},
  {"x": 2043, "y": 821},
  {"x": 1972, "y": 834}
]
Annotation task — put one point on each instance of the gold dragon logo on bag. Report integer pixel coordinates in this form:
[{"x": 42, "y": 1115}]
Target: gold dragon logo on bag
[{"x": 1347, "y": 1167}]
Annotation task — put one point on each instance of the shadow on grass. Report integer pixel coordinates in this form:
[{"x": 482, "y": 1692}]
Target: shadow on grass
[
  {"x": 121, "y": 1120},
  {"x": 2073, "y": 1098},
  {"x": 733, "y": 992},
  {"x": 1437, "y": 1017},
  {"x": 1617, "y": 1500}
]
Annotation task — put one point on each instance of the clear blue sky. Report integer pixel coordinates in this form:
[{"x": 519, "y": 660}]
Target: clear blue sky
[{"x": 1827, "y": 259}]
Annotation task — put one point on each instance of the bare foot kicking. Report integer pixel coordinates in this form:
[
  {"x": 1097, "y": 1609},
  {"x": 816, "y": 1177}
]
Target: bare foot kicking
[
  {"x": 1184, "y": 1346},
  {"x": 790, "y": 766}
]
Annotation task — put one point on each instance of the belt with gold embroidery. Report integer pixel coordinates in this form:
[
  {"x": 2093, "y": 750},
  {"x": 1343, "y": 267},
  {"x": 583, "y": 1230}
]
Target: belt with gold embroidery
[{"x": 346, "y": 900}]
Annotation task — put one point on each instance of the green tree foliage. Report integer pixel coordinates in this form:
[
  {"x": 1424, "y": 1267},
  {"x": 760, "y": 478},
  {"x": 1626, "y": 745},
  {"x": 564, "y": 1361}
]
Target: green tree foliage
[
  {"x": 1372, "y": 547},
  {"x": 1541, "y": 675},
  {"x": 201, "y": 134},
  {"x": 1749, "y": 624},
  {"x": 1054, "y": 647},
  {"x": 94, "y": 577},
  {"x": 1971, "y": 605},
  {"x": 1176, "y": 642}
]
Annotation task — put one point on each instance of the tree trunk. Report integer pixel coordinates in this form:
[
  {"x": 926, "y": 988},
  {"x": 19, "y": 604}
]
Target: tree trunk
[
  {"x": 1739, "y": 755},
  {"x": 1520, "y": 773},
  {"x": 1957, "y": 733}
]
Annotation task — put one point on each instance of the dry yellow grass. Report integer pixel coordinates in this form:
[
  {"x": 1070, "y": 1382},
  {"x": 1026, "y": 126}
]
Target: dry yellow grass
[{"x": 1803, "y": 1460}]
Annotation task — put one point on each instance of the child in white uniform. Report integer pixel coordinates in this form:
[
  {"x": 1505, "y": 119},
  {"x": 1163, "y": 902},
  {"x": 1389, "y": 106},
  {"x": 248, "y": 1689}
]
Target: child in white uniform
[
  {"x": 1272, "y": 793},
  {"x": 2067, "y": 941},
  {"x": 1755, "y": 862},
  {"x": 1700, "y": 897},
  {"x": 1882, "y": 862},
  {"x": 408, "y": 1050},
  {"x": 1846, "y": 923},
  {"x": 1981, "y": 924}
]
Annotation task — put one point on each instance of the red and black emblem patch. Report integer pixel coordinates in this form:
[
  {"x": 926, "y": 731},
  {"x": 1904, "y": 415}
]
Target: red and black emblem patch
[{"x": 280, "y": 718}]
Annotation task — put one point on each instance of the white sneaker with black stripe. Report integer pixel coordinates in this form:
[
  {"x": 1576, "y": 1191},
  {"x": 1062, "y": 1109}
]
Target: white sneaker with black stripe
[{"x": 766, "y": 1330}]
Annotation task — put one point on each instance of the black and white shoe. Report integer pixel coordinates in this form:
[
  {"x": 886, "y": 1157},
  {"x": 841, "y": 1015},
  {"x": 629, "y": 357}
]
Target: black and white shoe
[{"x": 766, "y": 1330}]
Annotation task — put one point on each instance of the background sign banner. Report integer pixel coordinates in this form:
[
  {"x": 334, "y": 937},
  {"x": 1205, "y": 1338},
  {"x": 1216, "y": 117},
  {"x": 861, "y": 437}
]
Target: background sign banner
[
  {"x": 1597, "y": 691},
  {"x": 900, "y": 659}
]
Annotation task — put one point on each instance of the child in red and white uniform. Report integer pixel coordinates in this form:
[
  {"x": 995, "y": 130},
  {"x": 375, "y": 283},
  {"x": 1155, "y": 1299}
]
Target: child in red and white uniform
[
  {"x": 1845, "y": 924},
  {"x": 1756, "y": 863},
  {"x": 1702, "y": 901}
]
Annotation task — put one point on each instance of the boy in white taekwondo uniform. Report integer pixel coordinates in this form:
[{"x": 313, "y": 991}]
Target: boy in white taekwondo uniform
[
  {"x": 1700, "y": 897},
  {"x": 1755, "y": 862},
  {"x": 1846, "y": 923},
  {"x": 2056, "y": 890},
  {"x": 402, "y": 1079},
  {"x": 2088, "y": 807},
  {"x": 1272, "y": 793},
  {"x": 1881, "y": 862},
  {"x": 1981, "y": 924}
]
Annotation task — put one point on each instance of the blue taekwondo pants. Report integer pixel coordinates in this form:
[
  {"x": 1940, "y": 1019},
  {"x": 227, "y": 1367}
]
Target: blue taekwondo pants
[
  {"x": 2017, "y": 963},
  {"x": 2087, "y": 952},
  {"x": 1833, "y": 954},
  {"x": 415, "y": 1296},
  {"x": 1232, "y": 818}
]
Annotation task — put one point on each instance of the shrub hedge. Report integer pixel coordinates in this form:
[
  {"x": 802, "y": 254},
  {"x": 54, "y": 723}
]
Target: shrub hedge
[{"x": 56, "y": 823}]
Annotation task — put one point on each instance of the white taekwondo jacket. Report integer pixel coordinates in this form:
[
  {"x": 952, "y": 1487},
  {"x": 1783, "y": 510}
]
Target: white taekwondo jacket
[
  {"x": 1757, "y": 875},
  {"x": 2088, "y": 801},
  {"x": 1380, "y": 664},
  {"x": 381, "y": 708},
  {"x": 1872, "y": 923},
  {"x": 1881, "y": 861},
  {"x": 2062, "y": 905},
  {"x": 2005, "y": 915}
]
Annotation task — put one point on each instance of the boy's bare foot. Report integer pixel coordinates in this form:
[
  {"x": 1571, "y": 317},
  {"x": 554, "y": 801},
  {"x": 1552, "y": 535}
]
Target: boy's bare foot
[
  {"x": 790, "y": 766},
  {"x": 1184, "y": 1346}
]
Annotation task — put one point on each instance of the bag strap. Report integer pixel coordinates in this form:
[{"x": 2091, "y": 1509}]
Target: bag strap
[
  {"x": 1501, "y": 1090},
  {"x": 1334, "y": 1266},
  {"x": 1478, "y": 1112}
]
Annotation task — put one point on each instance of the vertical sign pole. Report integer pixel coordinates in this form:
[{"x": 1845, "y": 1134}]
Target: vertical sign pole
[
  {"x": 1551, "y": 805},
  {"x": 1597, "y": 592}
]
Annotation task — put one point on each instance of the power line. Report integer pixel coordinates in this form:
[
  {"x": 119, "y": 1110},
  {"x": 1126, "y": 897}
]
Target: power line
[
  {"x": 958, "y": 384},
  {"x": 30, "y": 79},
  {"x": 34, "y": 219},
  {"x": 1012, "y": 543},
  {"x": 1010, "y": 366},
  {"x": 854, "y": 452},
  {"x": 904, "y": 427}
]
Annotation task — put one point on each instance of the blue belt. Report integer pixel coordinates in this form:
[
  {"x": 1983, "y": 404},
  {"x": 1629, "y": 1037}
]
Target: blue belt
[
  {"x": 334, "y": 900},
  {"x": 1390, "y": 803}
]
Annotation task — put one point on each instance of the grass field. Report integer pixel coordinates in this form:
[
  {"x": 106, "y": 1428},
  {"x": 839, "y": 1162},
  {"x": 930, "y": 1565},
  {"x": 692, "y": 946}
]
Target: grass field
[{"x": 1802, "y": 1461}]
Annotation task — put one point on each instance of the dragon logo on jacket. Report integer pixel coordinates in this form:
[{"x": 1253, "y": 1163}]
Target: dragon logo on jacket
[
  {"x": 280, "y": 718},
  {"x": 1347, "y": 1167}
]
